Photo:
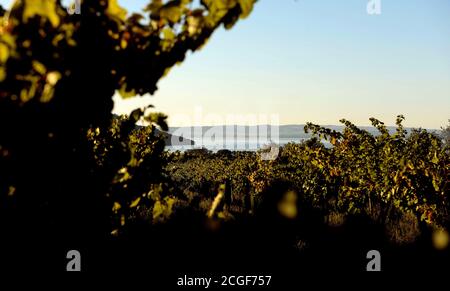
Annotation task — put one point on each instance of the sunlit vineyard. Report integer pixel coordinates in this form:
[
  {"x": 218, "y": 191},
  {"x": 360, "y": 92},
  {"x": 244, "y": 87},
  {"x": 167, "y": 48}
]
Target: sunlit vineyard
[
  {"x": 387, "y": 177},
  {"x": 75, "y": 176},
  {"x": 394, "y": 186}
]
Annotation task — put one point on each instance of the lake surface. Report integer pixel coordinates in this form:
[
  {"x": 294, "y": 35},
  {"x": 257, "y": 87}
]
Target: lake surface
[{"x": 236, "y": 144}]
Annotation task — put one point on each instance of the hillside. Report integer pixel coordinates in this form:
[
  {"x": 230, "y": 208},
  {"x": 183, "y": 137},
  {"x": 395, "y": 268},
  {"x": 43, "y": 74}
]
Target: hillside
[{"x": 295, "y": 131}]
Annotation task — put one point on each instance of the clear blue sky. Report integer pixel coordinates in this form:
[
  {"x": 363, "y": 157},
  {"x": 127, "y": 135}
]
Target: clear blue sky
[{"x": 319, "y": 61}]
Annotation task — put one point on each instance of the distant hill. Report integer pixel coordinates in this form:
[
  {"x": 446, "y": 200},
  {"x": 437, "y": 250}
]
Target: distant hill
[
  {"x": 185, "y": 136},
  {"x": 295, "y": 131}
]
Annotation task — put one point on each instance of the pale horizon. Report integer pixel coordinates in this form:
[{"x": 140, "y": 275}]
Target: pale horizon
[{"x": 316, "y": 61}]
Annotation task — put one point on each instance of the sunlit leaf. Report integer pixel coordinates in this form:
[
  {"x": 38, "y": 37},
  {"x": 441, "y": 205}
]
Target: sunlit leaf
[
  {"x": 39, "y": 67},
  {"x": 116, "y": 207},
  {"x": 4, "y": 52},
  {"x": 168, "y": 39},
  {"x": 159, "y": 119},
  {"x": 125, "y": 93},
  {"x": 246, "y": 7},
  {"x": 435, "y": 159},
  {"x": 47, "y": 93},
  {"x": 168, "y": 34},
  {"x": 135, "y": 202},
  {"x": 218, "y": 9},
  {"x": 194, "y": 24},
  {"x": 43, "y": 8},
  {"x": 154, "y": 6},
  {"x": 171, "y": 12},
  {"x": 116, "y": 11}
]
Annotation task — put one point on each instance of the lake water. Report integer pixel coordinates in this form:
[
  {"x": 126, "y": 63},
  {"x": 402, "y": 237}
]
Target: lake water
[{"x": 236, "y": 144}]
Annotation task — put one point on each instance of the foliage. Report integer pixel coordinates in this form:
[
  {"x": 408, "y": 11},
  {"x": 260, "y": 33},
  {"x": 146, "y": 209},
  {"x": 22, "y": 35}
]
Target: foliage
[
  {"x": 133, "y": 156},
  {"x": 359, "y": 173},
  {"x": 64, "y": 159},
  {"x": 405, "y": 172}
]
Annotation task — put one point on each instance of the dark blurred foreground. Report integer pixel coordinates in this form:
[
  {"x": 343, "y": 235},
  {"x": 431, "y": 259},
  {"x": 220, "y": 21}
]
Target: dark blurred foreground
[{"x": 264, "y": 244}]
